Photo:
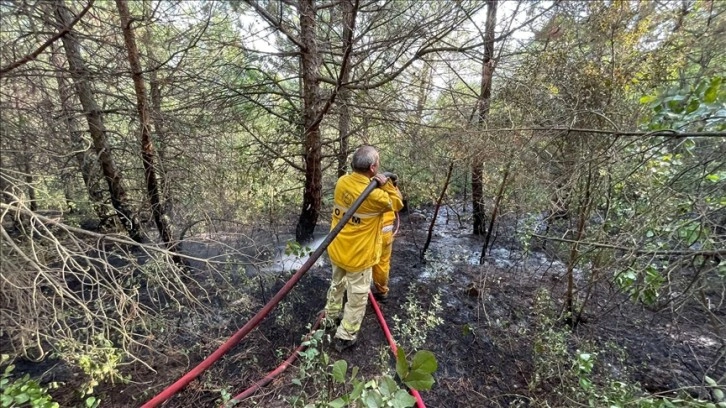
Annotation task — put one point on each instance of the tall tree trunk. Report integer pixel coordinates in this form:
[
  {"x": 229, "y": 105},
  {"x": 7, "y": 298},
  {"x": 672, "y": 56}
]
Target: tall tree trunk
[
  {"x": 583, "y": 214},
  {"x": 158, "y": 121},
  {"x": 313, "y": 106},
  {"x": 26, "y": 157},
  {"x": 87, "y": 163},
  {"x": 157, "y": 117},
  {"x": 147, "y": 148},
  {"x": 477, "y": 198},
  {"x": 477, "y": 187},
  {"x": 422, "y": 255},
  {"x": 81, "y": 80},
  {"x": 343, "y": 132},
  {"x": 423, "y": 91},
  {"x": 312, "y": 148},
  {"x": 495, "y": 211},
  {"x": 27, "y": 169},
  {"x": 344, "y": 93}
]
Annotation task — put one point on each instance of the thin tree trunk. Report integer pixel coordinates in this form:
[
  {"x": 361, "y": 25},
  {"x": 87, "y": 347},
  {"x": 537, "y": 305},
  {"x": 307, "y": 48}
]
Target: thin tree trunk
[
  {"x": 464, "y": 191},
  {"x": 423, "y": 92},
  {"x": 477, "y": 198},
  {"x": 495, "y": 211},
  {"x": 343, "y": 132},
  {"x": 81, "y": 80},
  {"x": 157, "y": 116},
  {"x": 584, "y": 211},
  {"x": 32, "y": 198},
  {"x": 87, "y": 163},
  {"x": 161, "y": 135},
  {"x": 312, "y": 149},
  {"x": 477, "y": 187},
  {"x": 147, "y": 148},
  {"x": 26, "y": 157},
  {"x": 436, "y": 212},
  {"x": 344, "y": 93}
]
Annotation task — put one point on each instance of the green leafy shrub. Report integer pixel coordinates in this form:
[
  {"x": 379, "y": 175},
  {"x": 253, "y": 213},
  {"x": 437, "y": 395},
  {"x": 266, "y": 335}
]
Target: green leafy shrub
[
  {"x": 383, "y": 391},
  {"x": 413, "y": 329},
  {"x": 99, "y": 361},
  {"x": 563, "y": 377},
  {"x": 23, "y": 391},
  {"x": 326, "y": 383},
  {"x": 696, "y": 107}
]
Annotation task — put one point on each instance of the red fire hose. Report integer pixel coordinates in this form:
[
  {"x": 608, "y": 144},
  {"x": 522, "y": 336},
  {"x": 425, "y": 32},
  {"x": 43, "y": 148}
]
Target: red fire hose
[
  {"x": 394, "y": 349},
  {"x": 272, "y": 374},
  {"x": 256, "y": 319}
]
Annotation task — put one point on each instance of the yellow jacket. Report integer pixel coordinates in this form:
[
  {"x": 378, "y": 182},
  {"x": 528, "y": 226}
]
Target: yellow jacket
[
  {"x": 358, "y": 245},
  {"x": 389, "y": 218}
]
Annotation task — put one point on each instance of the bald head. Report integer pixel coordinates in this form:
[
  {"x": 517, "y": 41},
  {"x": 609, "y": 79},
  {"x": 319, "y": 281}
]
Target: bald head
[{"x": 363, "y": 158}]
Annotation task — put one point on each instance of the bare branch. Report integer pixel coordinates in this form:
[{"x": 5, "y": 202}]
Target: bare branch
[{"x": 33, "y": 55}]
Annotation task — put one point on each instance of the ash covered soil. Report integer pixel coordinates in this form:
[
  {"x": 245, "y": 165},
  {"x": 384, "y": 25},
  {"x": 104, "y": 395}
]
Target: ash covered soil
[{"x": 484, "y": 346}]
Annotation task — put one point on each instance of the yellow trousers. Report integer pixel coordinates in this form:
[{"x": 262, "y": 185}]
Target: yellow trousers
[
  {"x": 383, "y": 267},
  {"x": 357, "y": 285}
]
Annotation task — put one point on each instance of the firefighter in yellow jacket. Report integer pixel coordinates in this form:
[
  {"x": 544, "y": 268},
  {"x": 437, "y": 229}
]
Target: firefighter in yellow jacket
[
  {"x": 358, "y": 245},
  {"x": 382, "y": 268}
]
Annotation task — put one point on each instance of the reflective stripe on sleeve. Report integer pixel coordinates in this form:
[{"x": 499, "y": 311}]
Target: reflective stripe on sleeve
[{"x": 340, "y": 210}]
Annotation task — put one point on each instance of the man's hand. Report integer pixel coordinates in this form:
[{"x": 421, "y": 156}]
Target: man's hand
[
  {"x": 381, "y": 179},
  {"x": 392, "y": 176}
]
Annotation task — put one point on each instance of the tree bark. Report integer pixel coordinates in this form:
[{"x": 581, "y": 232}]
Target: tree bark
[
  {"x": 81, "y": 80},
  {"x": 422, "y": 255},
  {"x": 32, "y": 198},
  {"x": 147, "y": 148},
  {"x": 583, "y": 213},
  {"x": 477, "y": 187},
  {"x": 157, "y": 117},
  {"x": 477, "y": 198},
  {"x": 345, "y": 93},
  {"x": 495, "y": 211},
  {"x": 25, "y": 159},
  {"x": 312, "y": 104},
  {"x": 87, "y": 163}
]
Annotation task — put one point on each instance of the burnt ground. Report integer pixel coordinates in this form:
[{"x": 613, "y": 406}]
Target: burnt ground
[{"x": 484, "y": 346}]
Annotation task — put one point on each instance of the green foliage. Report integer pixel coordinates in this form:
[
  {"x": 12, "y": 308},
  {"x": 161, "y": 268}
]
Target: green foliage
[
  {"x": 23, "y": 391},
  {"x": 549, "y": 344},
  {"x": 225, "y": 398},
  {"x": 530, "y": 224},
  {"x": 296, "y": 249},
  {"x": 573, "y": 378},
  {"x": 313, "y": 367},
  {"x": 417, "y": 374},
  {"x": 337, "y": 385},
  {"x": 617, "y": 394},
  {"x": 99, "y": 361},
  {"x": 412, "y": 330},
  {"x": 700, "y": 106},
  {"x": 384, "y": 391},
  {"x": 717, "y": 391},
  {"x": 644, "y": 285},
  {"x": 380, "y": 392}
]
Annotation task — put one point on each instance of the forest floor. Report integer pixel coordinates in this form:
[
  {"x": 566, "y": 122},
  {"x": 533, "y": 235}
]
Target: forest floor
[{"x": 484, "y": 345}]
